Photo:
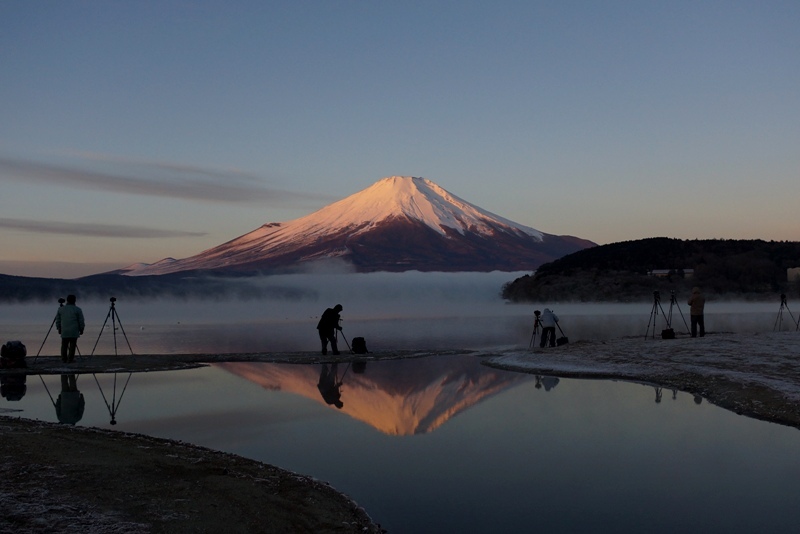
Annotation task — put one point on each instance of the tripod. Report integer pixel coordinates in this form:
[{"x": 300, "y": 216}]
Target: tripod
[
  {"x": 654, "y": 314},
  {"x": 60, "y": 305},
  {"x": 536, "y": 326},
  {"x": 673, "y": 301},
  {"x": 112, "y": 313},
  {"x": 779, "y": 319}
]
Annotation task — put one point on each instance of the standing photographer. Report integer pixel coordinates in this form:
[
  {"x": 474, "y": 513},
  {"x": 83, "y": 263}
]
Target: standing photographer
[
  {"x": 70, "y": 324},
  {"x": 327, "y": 326},
  {"x": 697, "y": 303},
  {"x": 548, "y": 322}
]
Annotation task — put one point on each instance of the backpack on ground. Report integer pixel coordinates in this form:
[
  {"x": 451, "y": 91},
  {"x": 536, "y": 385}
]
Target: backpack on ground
[
  {"x": 12, "y": 354},
  {"x": 359, "y": 345}
]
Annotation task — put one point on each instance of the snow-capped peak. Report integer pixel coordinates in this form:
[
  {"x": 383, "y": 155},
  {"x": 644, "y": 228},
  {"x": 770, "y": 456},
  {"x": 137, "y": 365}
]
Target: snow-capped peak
[
  {"x": 385, "y": 227},
  {"x": 417, "y": 198}
]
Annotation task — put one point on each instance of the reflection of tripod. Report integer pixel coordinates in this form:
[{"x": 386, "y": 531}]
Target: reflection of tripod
[
  {"x": 114, "y": 406},
  {"x": 112, "y": 313},
  {"x": 779, "y": 319},
  {"x": 673, "y": 301},
  {"x": 654, "y": 314},
  {"x": 536, "y": 326},
  {"x": 60, "y": 305}
]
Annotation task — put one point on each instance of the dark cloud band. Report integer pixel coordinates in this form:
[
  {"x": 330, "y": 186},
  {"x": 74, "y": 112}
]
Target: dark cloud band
[
  {"x": 156, "y": 179},
  {"x": 91, "y": 230}
]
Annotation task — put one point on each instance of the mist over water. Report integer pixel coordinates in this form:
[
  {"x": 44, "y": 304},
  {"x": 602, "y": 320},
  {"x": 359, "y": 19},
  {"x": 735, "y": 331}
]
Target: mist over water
[{"x": 409, "y": 310}]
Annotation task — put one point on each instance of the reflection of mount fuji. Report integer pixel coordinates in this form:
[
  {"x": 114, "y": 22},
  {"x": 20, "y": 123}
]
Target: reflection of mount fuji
[{"x": 398, "y": 397}]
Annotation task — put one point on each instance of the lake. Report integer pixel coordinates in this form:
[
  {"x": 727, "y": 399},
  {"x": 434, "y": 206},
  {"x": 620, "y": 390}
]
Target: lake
[
  {"x": 439, "y": 444},
  {"x": 444, "y": 444}
]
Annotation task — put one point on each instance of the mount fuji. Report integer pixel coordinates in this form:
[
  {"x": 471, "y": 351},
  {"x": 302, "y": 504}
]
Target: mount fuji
[{"x": 396, "y": 224}]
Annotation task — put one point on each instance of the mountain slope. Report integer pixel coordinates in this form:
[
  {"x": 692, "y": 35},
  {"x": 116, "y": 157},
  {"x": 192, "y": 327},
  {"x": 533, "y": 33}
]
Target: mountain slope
[{"x": 397, "y": 224}]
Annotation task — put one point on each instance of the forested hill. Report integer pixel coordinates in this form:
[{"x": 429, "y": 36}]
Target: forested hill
[{"x": 624, "y": 271}]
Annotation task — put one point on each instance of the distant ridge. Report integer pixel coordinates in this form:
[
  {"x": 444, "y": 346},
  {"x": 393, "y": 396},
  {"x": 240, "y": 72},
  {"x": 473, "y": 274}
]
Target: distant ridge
[
  {"x": 397, "y": 224},
  {"x": 624, "y": 271}
]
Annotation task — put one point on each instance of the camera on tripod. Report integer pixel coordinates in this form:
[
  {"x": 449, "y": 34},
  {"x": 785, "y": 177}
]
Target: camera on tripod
[
  {"x": 114, "y": 316},
  {"x": 668, "y": 332}
]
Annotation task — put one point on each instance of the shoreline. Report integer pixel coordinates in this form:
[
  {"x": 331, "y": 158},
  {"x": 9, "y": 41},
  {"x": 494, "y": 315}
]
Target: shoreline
[{"x": 755, "y": 375}]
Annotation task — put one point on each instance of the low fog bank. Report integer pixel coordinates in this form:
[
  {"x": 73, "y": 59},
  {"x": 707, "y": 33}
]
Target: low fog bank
[{"x": 391, "y": 310}]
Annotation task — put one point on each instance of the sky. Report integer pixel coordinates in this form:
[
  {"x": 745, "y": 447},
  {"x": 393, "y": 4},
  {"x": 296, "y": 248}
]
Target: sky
[{"x": 135, "y": 131}]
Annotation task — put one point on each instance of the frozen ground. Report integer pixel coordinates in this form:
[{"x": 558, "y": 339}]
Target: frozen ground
[{"x": 754, "y": 374}]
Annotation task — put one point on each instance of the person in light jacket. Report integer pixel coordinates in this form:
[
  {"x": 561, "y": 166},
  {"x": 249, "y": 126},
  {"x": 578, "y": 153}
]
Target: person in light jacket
[
  {"x": 697, "y": 303},
  {"x": 548, "y": 321},
  {"x": 70, "y": 324}
]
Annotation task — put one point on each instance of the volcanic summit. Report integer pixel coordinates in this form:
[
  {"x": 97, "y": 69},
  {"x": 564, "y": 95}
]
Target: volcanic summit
[{"x": 397, "y": 224}]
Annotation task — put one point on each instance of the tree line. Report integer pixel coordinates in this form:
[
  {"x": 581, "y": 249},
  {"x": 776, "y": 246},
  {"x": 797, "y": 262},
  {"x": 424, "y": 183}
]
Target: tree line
[{"x": 623, "y": 271}]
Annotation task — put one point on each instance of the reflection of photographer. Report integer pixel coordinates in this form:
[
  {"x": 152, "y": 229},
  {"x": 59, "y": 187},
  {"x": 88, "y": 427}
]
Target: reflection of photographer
[
  {"x": 329, "y": 385},
  {"x": 70, "y": 403}
]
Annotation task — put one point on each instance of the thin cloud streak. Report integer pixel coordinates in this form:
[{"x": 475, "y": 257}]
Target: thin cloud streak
[
  {"x": 156, "y": 179},
  {"x": 92, "y": 230}
]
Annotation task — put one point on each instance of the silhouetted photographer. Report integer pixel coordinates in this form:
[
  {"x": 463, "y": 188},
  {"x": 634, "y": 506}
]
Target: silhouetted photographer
[
  {"x": 328, "y": 325},
  {"x": 70, "y": 324},
  {"x": 697, "y": 303}
]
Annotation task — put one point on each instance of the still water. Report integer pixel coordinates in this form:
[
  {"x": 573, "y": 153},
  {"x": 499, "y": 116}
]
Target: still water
[{"x": 444, "y": 444}]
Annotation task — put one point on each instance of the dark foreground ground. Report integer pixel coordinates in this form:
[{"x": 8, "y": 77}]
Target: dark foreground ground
[{"x": 71, "y": 479}]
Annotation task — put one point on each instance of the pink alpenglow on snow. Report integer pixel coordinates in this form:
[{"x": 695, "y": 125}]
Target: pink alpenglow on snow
[{"x": 397, "y": 224}]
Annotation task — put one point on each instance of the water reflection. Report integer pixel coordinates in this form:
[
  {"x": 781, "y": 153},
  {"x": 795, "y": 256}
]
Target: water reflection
[
  {"x": 330, "y": 384},
  {"x": 548, "y": 382},
  {"x": 523, "y": 450},
  {"x": 399, "y": 397},
  {"x": 13, "y": 387},
  {"x": 113, "y": 406},
  {"x": 70, "y": 403}
]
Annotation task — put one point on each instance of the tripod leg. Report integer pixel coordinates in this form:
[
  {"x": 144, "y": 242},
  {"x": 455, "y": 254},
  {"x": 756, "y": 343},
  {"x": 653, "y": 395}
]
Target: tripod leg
[
  {"x": 683, "y": 318},
  {"x": 346, "y": 343},
  {"x": 653, "y": 314},
  {"x": 123, "y": 333},
  {"x": 796, "y": 323},
  {"x": 778, "y": 320},
  {"x": 45, "y": 337},
  {"x": 101, "y": 332}
]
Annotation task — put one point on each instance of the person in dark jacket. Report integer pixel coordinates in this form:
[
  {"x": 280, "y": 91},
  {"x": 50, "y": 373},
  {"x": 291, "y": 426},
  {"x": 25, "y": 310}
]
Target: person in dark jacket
[
  {"x": 327, "y": 326},
  {"x": 697, "y": 303},
  {"x": 70, "y": 324}
]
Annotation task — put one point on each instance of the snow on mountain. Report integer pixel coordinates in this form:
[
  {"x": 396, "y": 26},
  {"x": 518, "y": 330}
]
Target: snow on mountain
[
  {"x": 139, "y": 266},
  {"x": 396, "y": 224},
  {"x": 417, "y": 198}
]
